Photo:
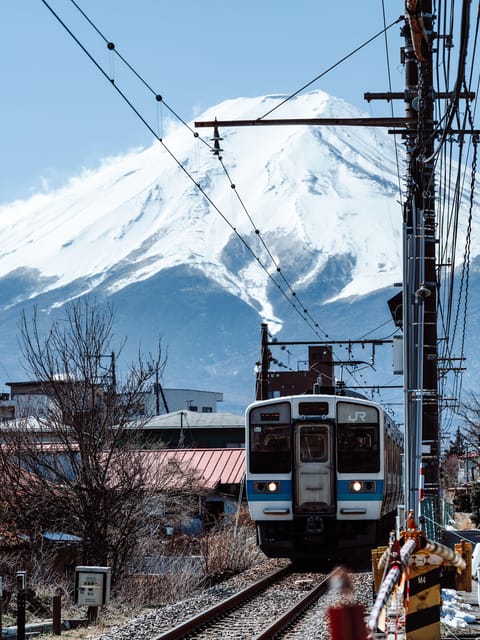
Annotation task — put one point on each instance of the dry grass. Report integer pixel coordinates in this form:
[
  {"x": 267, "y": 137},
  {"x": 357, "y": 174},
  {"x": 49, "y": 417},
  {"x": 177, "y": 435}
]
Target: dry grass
[{"x": 227, "y": 550}]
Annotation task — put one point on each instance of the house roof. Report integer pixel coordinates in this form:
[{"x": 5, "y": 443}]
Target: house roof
[
  {"x": 27, "y": 424},
  {"x": 212, "y": 466},
  {"x": 194, "y": 419},
  {"x": 55, "y": 536}
]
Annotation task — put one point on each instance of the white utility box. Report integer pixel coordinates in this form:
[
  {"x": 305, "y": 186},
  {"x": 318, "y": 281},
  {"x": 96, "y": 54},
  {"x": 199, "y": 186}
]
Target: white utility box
[{"x": 92, "y": 585}]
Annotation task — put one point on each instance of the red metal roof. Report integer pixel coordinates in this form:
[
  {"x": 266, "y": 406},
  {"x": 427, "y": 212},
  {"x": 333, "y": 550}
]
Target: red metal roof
[{"x": 212, "y": 466}]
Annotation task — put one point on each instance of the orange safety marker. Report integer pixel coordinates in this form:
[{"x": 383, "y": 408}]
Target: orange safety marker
[{"x": 411, "y": 524}]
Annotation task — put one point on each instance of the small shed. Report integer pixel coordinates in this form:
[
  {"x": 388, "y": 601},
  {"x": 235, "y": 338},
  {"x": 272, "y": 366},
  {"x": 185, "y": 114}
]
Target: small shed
[{"x": 219, "y": 472}]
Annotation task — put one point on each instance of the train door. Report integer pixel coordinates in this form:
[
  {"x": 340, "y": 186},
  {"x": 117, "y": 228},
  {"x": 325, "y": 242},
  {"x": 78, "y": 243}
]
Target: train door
[{"x": 314, "y": 487}]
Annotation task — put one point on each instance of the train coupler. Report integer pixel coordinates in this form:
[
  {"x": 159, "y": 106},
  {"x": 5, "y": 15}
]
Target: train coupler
[{"x": 314, "y": 525}]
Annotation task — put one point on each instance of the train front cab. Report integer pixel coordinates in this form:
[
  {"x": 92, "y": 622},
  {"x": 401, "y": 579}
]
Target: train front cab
[{"x": 302, "y": 507}]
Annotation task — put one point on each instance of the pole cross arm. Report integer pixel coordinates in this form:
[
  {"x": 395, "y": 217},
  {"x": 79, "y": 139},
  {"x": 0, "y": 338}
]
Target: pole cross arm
[
  {"x": 410, "y": 95},
  {"x": 329, "y": 122}
]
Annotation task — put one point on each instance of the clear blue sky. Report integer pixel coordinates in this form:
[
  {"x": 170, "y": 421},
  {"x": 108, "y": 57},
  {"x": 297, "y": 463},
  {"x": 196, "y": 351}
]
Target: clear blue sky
[{"x": 60, "y": 114}]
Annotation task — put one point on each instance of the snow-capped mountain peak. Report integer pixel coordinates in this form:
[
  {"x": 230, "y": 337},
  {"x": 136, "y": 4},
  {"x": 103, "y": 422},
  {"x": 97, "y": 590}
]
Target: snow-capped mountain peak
[
  {"x": 161, "y": 233},
  {"x": 312, "y": 192}
]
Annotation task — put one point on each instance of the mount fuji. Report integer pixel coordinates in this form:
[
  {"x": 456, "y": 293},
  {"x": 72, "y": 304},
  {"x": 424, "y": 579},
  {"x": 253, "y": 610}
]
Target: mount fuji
[{"x": 303, "y": 214}]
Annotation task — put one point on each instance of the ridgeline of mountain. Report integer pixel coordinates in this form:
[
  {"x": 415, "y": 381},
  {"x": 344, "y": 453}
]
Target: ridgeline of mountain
[{"x": 139, "y": 233}]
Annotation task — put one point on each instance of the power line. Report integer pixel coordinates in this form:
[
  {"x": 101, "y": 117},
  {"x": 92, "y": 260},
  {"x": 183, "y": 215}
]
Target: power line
[
  {"x": 291, "y": 296},
  {"x": 298, "y": 308},
  {"x": 333, "y": 66}
]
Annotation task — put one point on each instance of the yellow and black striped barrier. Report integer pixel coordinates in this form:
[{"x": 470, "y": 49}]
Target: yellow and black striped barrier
[
  {"x": 415, "y": 565},
  {"x": 423, "y": 598}
]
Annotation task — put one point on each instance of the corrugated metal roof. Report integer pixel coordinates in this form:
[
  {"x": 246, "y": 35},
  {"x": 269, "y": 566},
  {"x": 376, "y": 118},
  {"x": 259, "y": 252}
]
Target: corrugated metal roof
[
  {"x": 174, "y": 420},
  {"x": 178, "y": 419},
  {"x": 53, "y": 536},
  {"x": 212, "y": 466}
]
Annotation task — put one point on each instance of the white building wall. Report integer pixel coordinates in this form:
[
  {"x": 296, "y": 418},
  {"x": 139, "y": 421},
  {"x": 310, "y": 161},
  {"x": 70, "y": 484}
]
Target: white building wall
[
  {"x": 176, "y": 399},
  {"x": 182, "y": 399}
]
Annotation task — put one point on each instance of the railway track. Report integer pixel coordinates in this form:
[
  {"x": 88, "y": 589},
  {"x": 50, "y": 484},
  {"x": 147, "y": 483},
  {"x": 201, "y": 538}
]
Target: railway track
[{"x": 266, "y": 609}]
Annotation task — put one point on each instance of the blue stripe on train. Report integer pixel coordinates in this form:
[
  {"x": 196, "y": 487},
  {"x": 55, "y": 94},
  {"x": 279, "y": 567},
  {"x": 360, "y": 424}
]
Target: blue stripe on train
[
  {"x": 343, "y": 492},
  {"x": 285, "y": 492}
]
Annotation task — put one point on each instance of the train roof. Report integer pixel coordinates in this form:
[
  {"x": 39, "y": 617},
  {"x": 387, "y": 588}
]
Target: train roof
[{"x": 343, "y": 394}]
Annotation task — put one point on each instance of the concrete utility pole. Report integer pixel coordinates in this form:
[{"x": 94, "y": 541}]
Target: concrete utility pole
[
  {"x": 419, "y": 264},
  {"x": 419, "y": 297}
]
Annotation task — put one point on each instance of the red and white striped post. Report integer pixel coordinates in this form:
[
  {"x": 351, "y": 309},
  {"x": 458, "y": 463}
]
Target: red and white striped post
[{"x": 421, "y": 486}]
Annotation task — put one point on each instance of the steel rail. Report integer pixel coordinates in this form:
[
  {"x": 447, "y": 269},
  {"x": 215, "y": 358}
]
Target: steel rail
[
  {"x": 294, "y": 613},
  {"x": 217, "y": 611}
]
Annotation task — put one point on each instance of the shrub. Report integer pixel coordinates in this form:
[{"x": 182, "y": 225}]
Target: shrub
[{"x": 229, "y": 548}]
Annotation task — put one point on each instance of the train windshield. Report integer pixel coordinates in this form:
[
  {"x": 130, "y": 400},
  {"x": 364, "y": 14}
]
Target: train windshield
[
  {"x": 270, "y": 437},
  {"x": 313, "y": 443},
  {"x": 358, "y": 438}
]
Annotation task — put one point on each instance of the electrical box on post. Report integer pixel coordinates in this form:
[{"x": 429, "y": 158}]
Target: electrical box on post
[
  {"x": 92, "y": 585},
  {"x": 397, "y": 355}
]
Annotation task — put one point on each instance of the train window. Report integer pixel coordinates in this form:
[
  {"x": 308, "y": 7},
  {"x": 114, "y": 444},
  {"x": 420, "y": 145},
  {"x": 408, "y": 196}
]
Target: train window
[
  {"x": 313, "y": 444},
  {"x": 270, "y": 448},
  {"x": 358, "y": 438},
  {"x": 269, "y": 444}
]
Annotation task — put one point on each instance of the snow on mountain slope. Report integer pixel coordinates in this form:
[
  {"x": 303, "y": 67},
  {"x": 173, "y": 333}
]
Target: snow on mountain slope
[
  {"x": 313, "y": 192},
  {"x": 139, "y": 233}
]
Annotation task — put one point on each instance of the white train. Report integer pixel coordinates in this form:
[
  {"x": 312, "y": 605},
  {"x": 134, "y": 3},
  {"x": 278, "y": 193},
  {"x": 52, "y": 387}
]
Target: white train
[{"x": 324, "y": 475}]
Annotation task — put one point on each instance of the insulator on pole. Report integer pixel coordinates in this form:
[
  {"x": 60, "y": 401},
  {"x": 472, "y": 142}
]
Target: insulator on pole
[{"x": 217, "y": 150}]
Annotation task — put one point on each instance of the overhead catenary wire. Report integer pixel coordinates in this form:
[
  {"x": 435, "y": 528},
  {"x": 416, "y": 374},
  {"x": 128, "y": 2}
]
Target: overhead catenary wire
[
  {"x": 333, "y": 66},
  {"x": 450, "y": 176},
  {"x": 309, "y": 319},
  {"x": 453, "y": 301},
  {"x": 293, "y": 303},
  {"x": 392, "y": 111},
  {"x": 290, "y": 295}
]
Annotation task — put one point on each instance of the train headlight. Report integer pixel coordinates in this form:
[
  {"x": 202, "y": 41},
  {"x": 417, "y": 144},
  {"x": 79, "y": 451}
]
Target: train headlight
[
  {"x": 272, "y": 486},
  {"x": 362, "y": 486}
]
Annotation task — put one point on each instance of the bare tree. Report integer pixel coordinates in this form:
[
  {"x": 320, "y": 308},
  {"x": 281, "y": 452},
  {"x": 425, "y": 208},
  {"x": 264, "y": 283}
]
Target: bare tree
[
  {"x": 470, "y": 414},
  {"x": 73, "y": 464},
  {"x": 467, "y": 441}
]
